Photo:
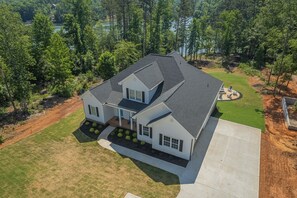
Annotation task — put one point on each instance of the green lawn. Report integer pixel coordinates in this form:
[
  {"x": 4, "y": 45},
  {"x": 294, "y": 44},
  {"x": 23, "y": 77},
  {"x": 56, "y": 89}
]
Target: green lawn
[
  {"x": 249, "y": 109},
  {"x": 53, "y": 163}
]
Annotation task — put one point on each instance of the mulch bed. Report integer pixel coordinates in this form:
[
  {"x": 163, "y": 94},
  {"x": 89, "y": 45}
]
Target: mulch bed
[
  {"x": 85, "y": 128},
  {"x": 145, "y": 149}
]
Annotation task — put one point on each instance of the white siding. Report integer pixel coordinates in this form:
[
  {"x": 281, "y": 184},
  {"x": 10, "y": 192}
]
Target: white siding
[
  {"x": 89, "y": 99},
  {"x": 168, "y": 126},
  {"x": 208, "y": 115},
  {"x": 149, "y": 115},
  {"x": 132, "y": 82},
  {"x": 152, "y": 93},
  {"x": 108, "y": 113}
]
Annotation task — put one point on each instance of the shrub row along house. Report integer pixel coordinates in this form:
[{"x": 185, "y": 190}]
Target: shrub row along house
[{"x": 166, "y": 100}]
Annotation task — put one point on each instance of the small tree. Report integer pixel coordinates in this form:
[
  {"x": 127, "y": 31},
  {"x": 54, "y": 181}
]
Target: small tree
[
  {"x": 106, "y": 68},
  {"x": 58, "y": 65}
]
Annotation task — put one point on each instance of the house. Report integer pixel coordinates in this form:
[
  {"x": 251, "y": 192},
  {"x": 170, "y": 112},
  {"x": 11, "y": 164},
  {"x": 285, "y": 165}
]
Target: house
[{"x": 166, "y": 100}]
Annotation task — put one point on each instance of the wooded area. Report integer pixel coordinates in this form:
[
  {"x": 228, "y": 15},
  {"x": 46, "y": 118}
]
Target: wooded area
[{"x": 99, "y": 38}]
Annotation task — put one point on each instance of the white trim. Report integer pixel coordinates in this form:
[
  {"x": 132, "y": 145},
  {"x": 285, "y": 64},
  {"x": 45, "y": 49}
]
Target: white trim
[
  {"x": 156, "y": 85},
  {"x": 115, "y": 106},
  {"x": 139, "y": 113},
  {"x": 208, "y": 114},
  {"x": 130, "y": 76}
]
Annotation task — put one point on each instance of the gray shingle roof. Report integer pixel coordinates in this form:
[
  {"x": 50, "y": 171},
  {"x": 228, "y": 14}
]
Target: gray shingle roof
[
  {"x": 186, "y": 90},
  {"x": 150, "y": 75},
  {"x": 191, "y": 103}
]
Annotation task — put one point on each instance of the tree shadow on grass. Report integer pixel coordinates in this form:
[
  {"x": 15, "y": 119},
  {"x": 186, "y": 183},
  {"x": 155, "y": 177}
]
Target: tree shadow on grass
[{"x": 216, "y": 113}]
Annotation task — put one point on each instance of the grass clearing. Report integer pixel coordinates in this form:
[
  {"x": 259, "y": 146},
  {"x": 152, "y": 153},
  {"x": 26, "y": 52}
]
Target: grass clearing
[
  {"x": 53, "y": 163},
  {"x": 249, "y": 109}
]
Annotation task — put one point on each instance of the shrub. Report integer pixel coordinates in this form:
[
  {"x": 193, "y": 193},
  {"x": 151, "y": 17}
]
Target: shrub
[
  {"x": 135, "y": 140},
  {"x": 127, "y": 132},
  {"x": 87, "y": 123},
  {"x": 249, "y": 70},
  {"x": 1, "y": 139},
  {"x": 94, "y": 124},
  {"x": 134, "y": 135},
  {"x": 97, "y": 131},
  {"x": 92, "y": 130},
  {"x": 100, "y": 126},
  {"x": 128, "y": 137},
  {"x": 120, "y": 130},
  {"x": 112, "y": 133},
  {"x": 120, "y": 135},
  {"x": 142, "y": 143}
]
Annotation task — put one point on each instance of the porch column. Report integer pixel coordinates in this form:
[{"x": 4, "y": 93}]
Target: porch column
[
  {"x": 131, "y": 121},
  {"x": 120, "y": 117}
]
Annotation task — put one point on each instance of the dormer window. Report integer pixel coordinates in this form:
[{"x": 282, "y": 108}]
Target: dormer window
[{"x": 138, "y": 96}]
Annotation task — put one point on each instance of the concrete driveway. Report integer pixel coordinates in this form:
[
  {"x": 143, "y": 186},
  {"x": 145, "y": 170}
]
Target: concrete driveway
[{"x": 225, "y": 162}]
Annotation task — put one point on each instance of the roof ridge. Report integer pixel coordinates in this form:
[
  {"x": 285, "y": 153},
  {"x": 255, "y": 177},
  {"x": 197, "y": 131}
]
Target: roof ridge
[
  {"x": 146, "y": 66},
  {"x": 178, "y": 86},
  {"x": 154, "y": 54},
  {"x": 99, "y": 84}
]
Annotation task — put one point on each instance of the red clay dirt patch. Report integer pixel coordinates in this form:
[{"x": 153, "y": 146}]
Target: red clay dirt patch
[
  {"x": 37, "y": 123},
  {"x": 278, "y": 163}
]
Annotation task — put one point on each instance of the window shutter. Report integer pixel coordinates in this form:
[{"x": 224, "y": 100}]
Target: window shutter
[
  {"x": 140, "y": 129},
  {"x": 127, "y": 92},
  {"x": 151, "y": 132},
  {"x": 160, "y": 139},
  {"x": 143, "y": 97},
  {"x": 181, "y": 145},
  {"x": 97, "y": 111},
  {"x": 90, "y": 109}
]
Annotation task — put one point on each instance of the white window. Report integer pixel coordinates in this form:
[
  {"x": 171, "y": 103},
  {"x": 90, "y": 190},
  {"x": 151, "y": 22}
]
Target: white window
[
  {"x": 166, "y": 141},
  {"x": 139, "y": 96},
  {"x": 174, "y": 143},
  {"x": 132, "y": 94},
  {"x": 135, "y": 95},
  {"x": 146, "y": 131},
  {"x": 93, "y": 110}
]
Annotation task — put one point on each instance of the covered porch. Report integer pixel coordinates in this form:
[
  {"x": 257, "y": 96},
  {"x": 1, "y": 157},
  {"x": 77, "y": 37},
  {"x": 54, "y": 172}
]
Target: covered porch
[
  {"x": 121, "y": 122},
  {"x": 122, "y": 117}
]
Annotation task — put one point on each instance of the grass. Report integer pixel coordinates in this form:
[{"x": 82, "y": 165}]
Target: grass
[
  {"x": 249, "y": 109},
  {"x": 53, "y": 163}
]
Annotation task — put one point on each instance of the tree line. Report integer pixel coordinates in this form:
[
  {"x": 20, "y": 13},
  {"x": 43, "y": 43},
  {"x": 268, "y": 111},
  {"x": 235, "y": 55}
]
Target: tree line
[{"x": 103, "y": 37}]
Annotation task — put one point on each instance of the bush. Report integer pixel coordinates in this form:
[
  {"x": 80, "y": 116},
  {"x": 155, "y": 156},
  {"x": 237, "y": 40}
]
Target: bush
[
  {"x": 128, "y": 137},
  {"x": 97, "y": 131},
  {"x": 92, "y": 130},
  {"x": 1, "y": 139},
  {"x": 120, "y": 135},
  {"x": 142, "y": 143},
  {"x": 134, "y": 135},
  {"x": 135, "y": 140},
  {"x": 94, "y": 124},
  {"x": 249, "y": 70},
  {"x": 112, "y": 133},
  {"x": 66, "y": 90},
  {"x": 127, "y": 132},
  {"x": 100, "y": 126},
  {"x": 87, "y": 123},
  {"x": 120, "y": 130}
]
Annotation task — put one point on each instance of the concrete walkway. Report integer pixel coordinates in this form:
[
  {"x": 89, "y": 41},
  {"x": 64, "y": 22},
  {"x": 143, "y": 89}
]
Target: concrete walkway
[
  {"x": 225, "y": 161},
  {"x": 169, "y": 167}
]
